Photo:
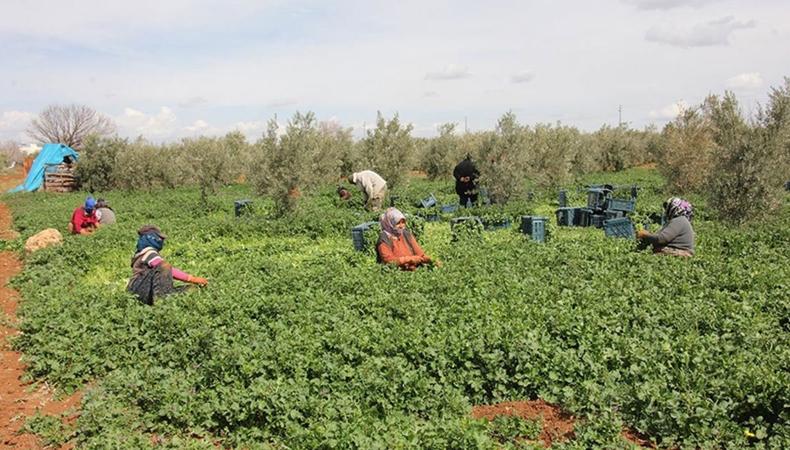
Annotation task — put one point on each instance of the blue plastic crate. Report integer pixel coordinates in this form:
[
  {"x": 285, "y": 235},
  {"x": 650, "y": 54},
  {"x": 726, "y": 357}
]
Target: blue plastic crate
[
  {"x": 563, "y": 199},
  {"x": 358, "y": 235},
  {"x": 597, "y": 197},
  {"x": 617, "y": 204},
  {"x": 241, "y": 207},
  {"x": 613, "y": 214},
  {"x": 428, "y": 201},
  {"x": 534, "y": 227},
  {"x": 446, "y": 209},
  {"x": 621, "y": 227},
  {"x": 456, "y": 220}
]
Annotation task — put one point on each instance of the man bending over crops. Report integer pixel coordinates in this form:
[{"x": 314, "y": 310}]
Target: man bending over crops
[
  {"x": 676, "y": 237},
  {"x": 152, "y": 276},
  {"x": 84, "y": 219},
  {"x": 396, "y": 244},
  {"x": 373, "y": 187}
]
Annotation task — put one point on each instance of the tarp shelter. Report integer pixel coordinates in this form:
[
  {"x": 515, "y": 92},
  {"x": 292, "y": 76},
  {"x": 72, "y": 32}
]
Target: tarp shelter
[{"x": 50, "y": 156}]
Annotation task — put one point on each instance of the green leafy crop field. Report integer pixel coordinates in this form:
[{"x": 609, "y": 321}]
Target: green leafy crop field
[{"x": 301, "y": 342}]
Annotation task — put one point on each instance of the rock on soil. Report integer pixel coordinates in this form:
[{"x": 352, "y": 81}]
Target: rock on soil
[{"x": 43, "y": 239}]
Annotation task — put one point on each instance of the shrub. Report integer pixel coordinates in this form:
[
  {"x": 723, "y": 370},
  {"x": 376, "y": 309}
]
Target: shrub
[
  {"x": 503, "y": 160},
  {"x": 98, "y": 162},
  {"x": 388, "y": 150},
  {"x": 688, "y": 150},
  {"x": 441, "y": 153}
]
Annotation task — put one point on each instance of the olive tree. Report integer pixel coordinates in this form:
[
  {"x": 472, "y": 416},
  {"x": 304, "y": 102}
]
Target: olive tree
[{"x": 388, "y": 150}]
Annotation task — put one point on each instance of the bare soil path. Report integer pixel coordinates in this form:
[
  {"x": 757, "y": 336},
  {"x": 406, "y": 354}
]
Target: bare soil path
[{"x": 19, "y": 399}]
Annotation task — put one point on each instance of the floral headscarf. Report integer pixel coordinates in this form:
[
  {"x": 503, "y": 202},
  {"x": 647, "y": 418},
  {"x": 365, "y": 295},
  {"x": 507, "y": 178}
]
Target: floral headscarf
[
  {"x": 389, "y": 219},
  {"x": 676, "y": 207}
]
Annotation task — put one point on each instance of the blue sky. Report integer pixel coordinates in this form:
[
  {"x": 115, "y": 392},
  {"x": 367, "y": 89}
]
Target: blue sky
[{"x": 172, "y": 69}]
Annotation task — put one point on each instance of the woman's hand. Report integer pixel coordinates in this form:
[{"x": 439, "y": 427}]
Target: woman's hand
[
  {"x": 641, "y": 234},
  {"x": 197, "y": 280}
]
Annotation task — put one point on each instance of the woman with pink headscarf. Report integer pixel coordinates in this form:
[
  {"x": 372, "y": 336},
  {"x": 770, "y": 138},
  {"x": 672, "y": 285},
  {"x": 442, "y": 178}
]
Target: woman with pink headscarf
[
  {"x": 676, "y": 237},
  {"x": 396, "y": 244}
]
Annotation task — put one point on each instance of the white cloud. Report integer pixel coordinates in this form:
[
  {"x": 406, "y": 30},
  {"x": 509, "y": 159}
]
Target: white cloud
[
  {"x": 714, "y": 32},
  {"x": 198, "y": 126},
  {"x": 669, "y": 112},
  {"x": 135, "y": 122},
  {"x": 525, "y": 76},
  {"x": 666, "y": 4},
  {"x": 13, "y": 125},
  {"x": 193, "y": 102},
  {"x": 751, "y": 80},
  {"x": 450, "y": 72}
]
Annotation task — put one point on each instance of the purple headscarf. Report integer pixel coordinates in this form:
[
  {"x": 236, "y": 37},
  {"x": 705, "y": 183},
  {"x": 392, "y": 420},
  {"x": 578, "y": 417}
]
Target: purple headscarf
[
  {"x": 676, "y": 207},
  {"x": 389, "y": 219}
]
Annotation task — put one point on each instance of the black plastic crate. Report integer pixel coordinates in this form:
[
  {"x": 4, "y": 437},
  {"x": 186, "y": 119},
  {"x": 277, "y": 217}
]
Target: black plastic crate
[
  {"x": 621, "y": 228},
  {"x": 447, "y": 209},
  {"x": 242, "y": 207},
  {"x": 597, "y": 197},
  {"x": 358, "y": 235},
  {"x": 563, "y": 199},
  {"x": 534, "y": 227},
  {"x": 568, "y": 217},
  {"x": 613, "y": 214},
  {"x": 596, "y": 220},
  {"x": 582, "y": 217},
  {"x": 496, "y": 224}
]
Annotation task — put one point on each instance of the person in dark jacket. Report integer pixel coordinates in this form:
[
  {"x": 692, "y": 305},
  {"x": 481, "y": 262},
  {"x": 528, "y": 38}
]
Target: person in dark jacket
[
  {"x": 152, "y": 276},
  {"x": 466, "y": 174},
  {"x": 676, "y": 237}
]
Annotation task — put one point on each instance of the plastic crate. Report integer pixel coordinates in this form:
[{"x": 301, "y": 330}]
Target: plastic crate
[
  {"x": 597, "y": 220},
  {"x": 567, "y": 217},
  {"x": 446, "y": 209},
  {"x": 428, "y": 201},
  {"x": 497, "y": 224},
  {"x": 241, "y": 207},
  {"x": 613, "y": 214},
  {"x": 582, "y": 217},
  {"x": 621, "y": 228},
  {"x": 597, "y": 197},
  {"x": 563, "y": 199},
  {"x": 534, "y": 227},
  {"x": 617, "y": 204},
  {"x": 456, "y": 220},
  {"x": 358, "y": 235}
]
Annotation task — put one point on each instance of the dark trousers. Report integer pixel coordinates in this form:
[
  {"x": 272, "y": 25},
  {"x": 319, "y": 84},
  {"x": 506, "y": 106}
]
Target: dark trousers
[
  {"x": 465, "y": 199},
  {"x": 154, "y": 282}
]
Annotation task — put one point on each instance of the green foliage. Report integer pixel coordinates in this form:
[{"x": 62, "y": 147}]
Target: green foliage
[
  {"x": 50, "y": 429},
  {"x": 510, "y": 429},
  {"x": 441, "y": 154},
  {"x": 300, "y": 341},
  {"x": 503, "y": 160},
  {"x": 388, "y": 150},
  {"x": 98, "y": 161}
]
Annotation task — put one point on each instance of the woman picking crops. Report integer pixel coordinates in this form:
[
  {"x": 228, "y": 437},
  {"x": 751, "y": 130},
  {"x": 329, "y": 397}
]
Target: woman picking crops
[
  {"x": 676, "y": 237},
  {"x": 396, "y": 244},
  {"x": 152, "y": 276}
]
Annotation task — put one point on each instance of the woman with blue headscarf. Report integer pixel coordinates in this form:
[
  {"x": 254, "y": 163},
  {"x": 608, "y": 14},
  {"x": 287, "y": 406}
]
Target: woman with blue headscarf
[
  {"x": 152, "y": 276},
  {"x": 84, "y": 219},
  {"x": 676, "y": 237}
]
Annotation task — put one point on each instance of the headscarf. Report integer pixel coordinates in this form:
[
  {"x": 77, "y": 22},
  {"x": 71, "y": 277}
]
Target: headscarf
[
  {"x": 389, "y": 219},
  {"x": 90, "y": 204},
  {"x": 150, "y": 236},
  {"x": 676, "y": 207}
]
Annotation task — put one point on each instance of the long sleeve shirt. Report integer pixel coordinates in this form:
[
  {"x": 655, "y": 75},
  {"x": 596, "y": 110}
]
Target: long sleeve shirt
[
  {"x": 677, "y": 233},
  {"x": 369, "y": 182},
  {"x": 400, "y": 252}
]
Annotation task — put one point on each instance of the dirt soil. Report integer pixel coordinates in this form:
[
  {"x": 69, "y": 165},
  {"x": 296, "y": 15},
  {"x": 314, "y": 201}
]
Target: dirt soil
[
  {"x": 557, "y": 424},
  {"x": 19, "y": 399}
]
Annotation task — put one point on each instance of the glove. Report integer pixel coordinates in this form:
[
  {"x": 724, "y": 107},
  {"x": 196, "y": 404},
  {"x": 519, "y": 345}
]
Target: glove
[{"x": 197, "y": 280}]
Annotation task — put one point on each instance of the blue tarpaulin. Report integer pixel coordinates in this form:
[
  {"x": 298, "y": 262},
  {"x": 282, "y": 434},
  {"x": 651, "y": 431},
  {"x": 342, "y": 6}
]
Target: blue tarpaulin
[{"x": 50, "y": 156}]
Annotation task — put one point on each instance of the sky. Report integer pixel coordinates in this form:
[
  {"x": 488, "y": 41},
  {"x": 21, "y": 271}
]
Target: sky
[{"x": 169, "y": 69}]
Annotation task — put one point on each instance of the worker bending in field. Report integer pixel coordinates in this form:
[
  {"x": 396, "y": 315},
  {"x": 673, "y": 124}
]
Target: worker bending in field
[
  {"x": 84, "y": 219},
  {"x": 466, "y": 174},
  {"x": 104, "y": 212},
  {"x": 373, "y": 187},
  {"x": 396, "y": 244},
  {"x": 676, "y": 237},
  {"x": 152, "y": 276}
]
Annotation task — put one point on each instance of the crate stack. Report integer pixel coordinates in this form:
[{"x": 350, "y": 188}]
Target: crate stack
[
  {"x": 59, "y": 178},
  {"x": 602, "y": 211}
]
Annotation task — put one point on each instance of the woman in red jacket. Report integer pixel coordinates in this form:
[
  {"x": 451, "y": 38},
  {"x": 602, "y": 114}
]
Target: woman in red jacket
[{"x": 396, "y": 244}]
